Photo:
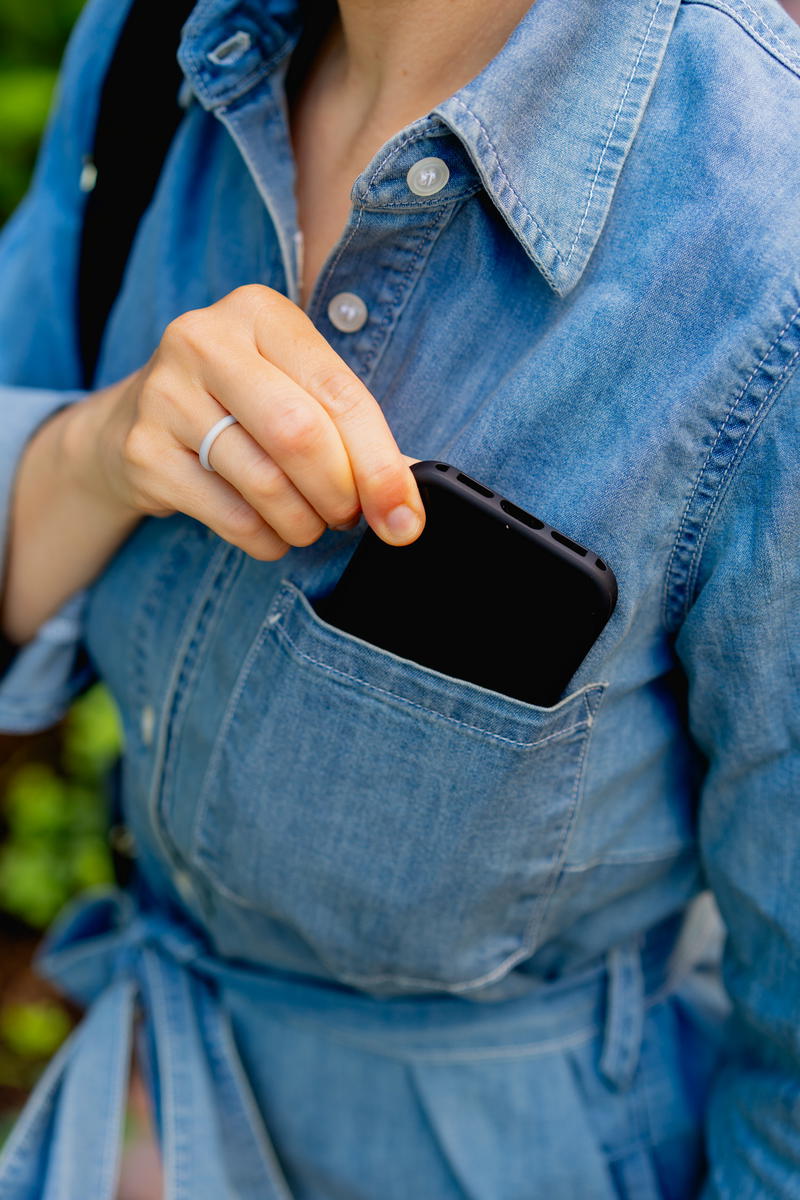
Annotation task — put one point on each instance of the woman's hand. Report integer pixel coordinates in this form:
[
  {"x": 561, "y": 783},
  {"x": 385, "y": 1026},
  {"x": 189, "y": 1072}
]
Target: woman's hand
[{"x": 311, "y": 449}]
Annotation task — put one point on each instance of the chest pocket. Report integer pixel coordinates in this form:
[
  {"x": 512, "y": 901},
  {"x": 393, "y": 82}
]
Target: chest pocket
[{"x": 409, "y": 825}]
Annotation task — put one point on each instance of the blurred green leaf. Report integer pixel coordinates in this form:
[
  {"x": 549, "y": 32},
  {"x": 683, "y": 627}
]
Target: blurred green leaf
[
  {"x": 33, "y": 35},
  {"x": 92, "y": 734},
  {"x": 34, "y": 882},
  {"x": 25, "y": 95},
  {"x": 91, "y": 864},
  {"x": 36, "y": 801},
  {"x": 34, "y": 1030}
]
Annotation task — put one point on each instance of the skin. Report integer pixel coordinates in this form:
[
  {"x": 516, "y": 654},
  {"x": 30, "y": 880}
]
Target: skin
[{"x": 312, "y": 448}]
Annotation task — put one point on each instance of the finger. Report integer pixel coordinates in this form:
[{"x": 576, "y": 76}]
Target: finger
[
  {"x": 255, "y": 475},
  {"x": 291, "y": 429},
  {"x": 258, "y": 478},
  {"x": 383, "y": 480},
  {"x": 209, "y": 498}
]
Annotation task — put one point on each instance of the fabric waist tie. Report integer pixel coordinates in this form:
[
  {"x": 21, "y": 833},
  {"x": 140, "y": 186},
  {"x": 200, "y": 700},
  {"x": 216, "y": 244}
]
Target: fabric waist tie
[
  {"x": 112, "y": 957},
  {"x": 66, "y": 1144}
]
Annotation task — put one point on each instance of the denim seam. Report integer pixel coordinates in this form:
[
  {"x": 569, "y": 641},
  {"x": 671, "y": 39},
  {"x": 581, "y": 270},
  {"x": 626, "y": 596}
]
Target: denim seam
[
  {"x": 499, "y": 166},
  {"x": 414, "y": 136},
  {"x": 486, "y": 1053},
  {"x": 790, "y": 61},
  {"x": 362, "y": 207},
  {"x": 614, "y": 123},
  {"x": 377, "y": 333},
  {"x": 321, "y": 284},
  {"x": 16, "y": 1150},
  {"x": 629, "y": 859},
  {"x": 683, "y": 561},
  {"x": 731, "y": 467},
  {"x": 137, "y": 662},
  {"x": 374, "y": 354},
  {"x": 220, "y": 584},
  {"x": 533, "y": 925},
  {"x": 562, "y": 733},
  {"x": 244, "y": 85},
  {"x": 156, "y": 782},
  {"x": 565, "y": 261},
  {"x": 436, "y": 203},
  {"x": 111, "y": 1152},
  {"x": 540, "y": 911},
  {"x": 221, "y": 1046},
  {"x": 219, "y": 743},
  {"x": 159, "y": 1017}
]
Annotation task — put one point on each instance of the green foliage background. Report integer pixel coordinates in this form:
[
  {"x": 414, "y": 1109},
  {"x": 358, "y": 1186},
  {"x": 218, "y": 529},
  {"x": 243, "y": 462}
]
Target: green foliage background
[
  {"x": 54, "y": 786},
  {"x": 33, "y": 34}
]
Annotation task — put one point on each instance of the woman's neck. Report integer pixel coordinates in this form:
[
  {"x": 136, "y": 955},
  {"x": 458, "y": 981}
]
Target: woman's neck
[{"x": 397, "y": 55}]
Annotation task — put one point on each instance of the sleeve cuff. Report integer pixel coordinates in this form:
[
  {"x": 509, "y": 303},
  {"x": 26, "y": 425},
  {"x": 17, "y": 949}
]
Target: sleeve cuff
[{"x": 38, "y": 680}]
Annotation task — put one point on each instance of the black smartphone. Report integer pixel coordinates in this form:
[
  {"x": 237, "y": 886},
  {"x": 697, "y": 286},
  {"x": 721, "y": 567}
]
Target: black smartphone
[{"x": 487, "y": 593}]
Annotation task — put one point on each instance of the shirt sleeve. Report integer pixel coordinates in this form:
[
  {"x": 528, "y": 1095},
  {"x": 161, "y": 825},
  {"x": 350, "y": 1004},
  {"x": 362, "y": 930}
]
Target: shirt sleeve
[
  {"x": 740, "y": 647},
  {"x": 38, "y": 680},
  {"x": 39, "y": 361}
]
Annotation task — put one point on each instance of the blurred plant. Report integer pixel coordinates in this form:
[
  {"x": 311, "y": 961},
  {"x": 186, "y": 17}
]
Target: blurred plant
[
  {"x": 57, "y": 816},
  {"x": 32, "y": 40},
  {"x": 33, "y": 1030},
  {"x": 30, "y": 1032}
]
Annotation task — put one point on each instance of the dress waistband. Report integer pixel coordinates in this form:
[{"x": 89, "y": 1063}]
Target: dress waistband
[{"x": 111, "y": 956}]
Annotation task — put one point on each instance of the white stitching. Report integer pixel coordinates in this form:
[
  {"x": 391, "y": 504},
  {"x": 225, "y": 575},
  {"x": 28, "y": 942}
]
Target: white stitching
[
  {"x": 729, "y": 11},
  {"x": 611, "y": 132},
  {"x": 667, "y": 589},
  {"x": 559, "y": 734}
]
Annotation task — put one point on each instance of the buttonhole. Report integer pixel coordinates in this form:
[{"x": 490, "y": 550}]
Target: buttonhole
[{"x": 231, "y": 50}]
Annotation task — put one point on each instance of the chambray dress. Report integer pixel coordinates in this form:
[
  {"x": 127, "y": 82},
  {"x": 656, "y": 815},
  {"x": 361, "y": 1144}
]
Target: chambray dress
[{"x": 392, "y": 934}]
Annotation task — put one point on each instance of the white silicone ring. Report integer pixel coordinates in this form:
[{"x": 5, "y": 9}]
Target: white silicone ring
[{"x": 208, "y": 440}]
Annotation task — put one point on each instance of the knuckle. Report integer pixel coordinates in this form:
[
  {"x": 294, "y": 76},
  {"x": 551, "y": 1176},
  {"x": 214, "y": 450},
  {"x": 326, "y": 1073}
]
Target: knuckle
[
  {"x": 309, "y": 531},
  {"x": 297, "y": 431},
  {"x": 268, "y": 548},
  {"x": 340, "y": 392},
  {"x": 252, "y": 295},
  {"x": 158, "y": 389},
  {"x": 264, "y": 480},
  {"x": 137, "y": 446},
  {"x": 342, "y": 514},
  {"x": 189, "y": 329},
  {"x": 242, "y": 521},
  {"x": 384, "y": 481}
]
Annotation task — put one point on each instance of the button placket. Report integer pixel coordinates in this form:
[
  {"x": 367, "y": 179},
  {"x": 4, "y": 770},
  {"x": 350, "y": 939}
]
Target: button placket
[{"x": 398, "y": 244}]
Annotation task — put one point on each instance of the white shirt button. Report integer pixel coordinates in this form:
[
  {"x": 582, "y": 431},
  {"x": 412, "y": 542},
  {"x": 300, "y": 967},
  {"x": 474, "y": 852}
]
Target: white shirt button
[
  {"x": 347, "y": 311},
  {"x": 184, "y": 885},
  {"x": 428, "y": 176},
  {"x": 185, "y": 94},
  {"x": 122, "y": 840},
  {"x": 88, "y": 176},
  {"x": 147, "y": 723}
]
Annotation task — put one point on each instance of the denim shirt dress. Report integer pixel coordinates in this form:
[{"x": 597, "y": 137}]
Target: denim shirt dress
[{"x": 393, "y": 934}]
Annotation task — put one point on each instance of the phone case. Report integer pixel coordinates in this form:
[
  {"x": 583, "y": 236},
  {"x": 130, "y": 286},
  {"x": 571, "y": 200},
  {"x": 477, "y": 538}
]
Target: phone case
[{"x": 487, "y": 593}]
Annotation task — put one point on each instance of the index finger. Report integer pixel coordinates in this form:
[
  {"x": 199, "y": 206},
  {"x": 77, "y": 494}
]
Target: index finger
[{"x": 387, "y": 490}]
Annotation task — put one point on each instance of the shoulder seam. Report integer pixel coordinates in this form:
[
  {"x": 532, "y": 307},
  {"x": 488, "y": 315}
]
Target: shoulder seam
[
  {"x": 769, "y": 40},
  {"x": 745, "y": 414}
]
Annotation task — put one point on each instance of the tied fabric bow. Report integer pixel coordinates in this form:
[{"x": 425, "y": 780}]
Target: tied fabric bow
[{"x": 118, "y": 960}]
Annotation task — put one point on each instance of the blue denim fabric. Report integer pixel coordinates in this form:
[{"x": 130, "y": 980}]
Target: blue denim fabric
[{"x": 393, "y": 933}]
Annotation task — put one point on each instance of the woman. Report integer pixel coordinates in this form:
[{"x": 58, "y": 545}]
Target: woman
[{"x": 375, "y": 949}]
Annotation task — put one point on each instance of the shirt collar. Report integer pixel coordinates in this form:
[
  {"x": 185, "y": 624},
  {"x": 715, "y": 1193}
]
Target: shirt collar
[
  {"x": 550, "y": 120},
  {"x": 548, "y": 123}
]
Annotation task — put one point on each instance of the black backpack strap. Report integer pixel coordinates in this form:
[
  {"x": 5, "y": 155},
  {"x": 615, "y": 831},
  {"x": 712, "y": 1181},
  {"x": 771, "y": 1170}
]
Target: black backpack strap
[{"x": 137, "y": 118}]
